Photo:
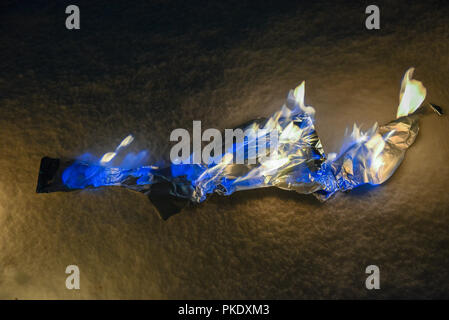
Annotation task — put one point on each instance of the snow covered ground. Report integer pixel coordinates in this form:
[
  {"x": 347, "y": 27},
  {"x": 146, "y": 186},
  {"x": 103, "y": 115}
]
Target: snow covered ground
[{"x": 147, "y": 68}]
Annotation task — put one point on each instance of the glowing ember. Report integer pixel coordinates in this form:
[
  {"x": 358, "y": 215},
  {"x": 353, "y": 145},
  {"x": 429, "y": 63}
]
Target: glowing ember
[{"x": 293, "y": 161}]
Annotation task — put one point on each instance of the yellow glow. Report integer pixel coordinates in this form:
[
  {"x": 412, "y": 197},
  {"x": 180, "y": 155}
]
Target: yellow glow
[
  {"x": 125, "y": 142},
  {"x": 107, "y": 157},
  {"x": 299, "y": 93},
  {"x": 412, "y": 94}
]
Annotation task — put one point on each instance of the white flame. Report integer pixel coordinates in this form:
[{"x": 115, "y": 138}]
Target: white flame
[
  {"x": 107, "y": 157},
  {"x": 299, "y": 94},
  {"x": 412, "y": 94}
]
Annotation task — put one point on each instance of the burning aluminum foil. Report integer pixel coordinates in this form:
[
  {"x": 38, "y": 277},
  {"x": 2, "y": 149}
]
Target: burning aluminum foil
[{"x": 297, "y": 161}]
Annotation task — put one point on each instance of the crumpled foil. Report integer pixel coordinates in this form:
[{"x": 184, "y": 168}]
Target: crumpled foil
[
  {"x": 297, "y": 162},
  {"x": 356, "y": 165}
]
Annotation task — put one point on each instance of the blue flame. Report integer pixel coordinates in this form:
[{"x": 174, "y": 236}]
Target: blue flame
[
  {"x": 85, "y": 172},
  {"x": 304, "y": 167}
]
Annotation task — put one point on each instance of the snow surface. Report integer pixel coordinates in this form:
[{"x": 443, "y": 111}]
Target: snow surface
[{"x": 148, "y": 68}]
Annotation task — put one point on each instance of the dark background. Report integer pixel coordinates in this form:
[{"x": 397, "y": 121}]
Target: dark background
[{"x": 148, "y": 67}]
